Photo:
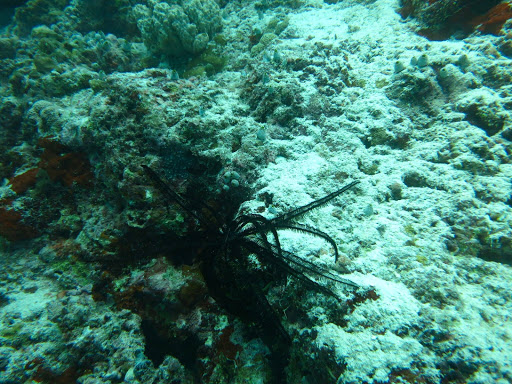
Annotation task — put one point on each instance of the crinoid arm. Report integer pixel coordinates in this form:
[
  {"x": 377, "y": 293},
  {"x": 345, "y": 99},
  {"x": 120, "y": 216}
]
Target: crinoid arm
[
  {"x": 169, "y": 193},
  {"x": 298, "y": 212},
  {"x": 190, "y": 207},
  {"x": 254, "y": 224},
  {"x": 316, "y": 270},
  {"x": 312, "y": 231},
  {"x": 280, "y": 263},
  {"x": 296, "y": 267}
]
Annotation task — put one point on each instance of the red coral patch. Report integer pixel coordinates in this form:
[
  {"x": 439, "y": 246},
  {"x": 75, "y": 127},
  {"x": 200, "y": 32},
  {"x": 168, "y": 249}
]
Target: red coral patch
[
  {"x": 226, "y": 346},
  {"x": 12, "y": 226},
  {"x": 63, "y": 165},
  {"x": 24, "y": 181}
]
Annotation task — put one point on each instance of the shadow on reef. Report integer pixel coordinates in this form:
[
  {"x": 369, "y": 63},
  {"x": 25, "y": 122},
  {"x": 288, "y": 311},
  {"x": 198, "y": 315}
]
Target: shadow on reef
[
  {"x": 226, "y": 250},
  {"x": 232, "y": 257}
]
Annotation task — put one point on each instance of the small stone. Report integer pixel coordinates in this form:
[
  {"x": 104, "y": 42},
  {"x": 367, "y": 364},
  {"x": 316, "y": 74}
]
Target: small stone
[{"x": 368, "y": 210}]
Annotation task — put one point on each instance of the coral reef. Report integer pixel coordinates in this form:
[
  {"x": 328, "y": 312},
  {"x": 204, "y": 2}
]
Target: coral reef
[
  {"x": 493, "y": 21},
  {"x": 66, "y": 335},
  {"x": 276, "y": 104}
]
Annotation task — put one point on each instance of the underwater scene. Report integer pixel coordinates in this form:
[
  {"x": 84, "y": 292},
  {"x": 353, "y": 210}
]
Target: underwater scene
[{"x": 255, "y": 192}]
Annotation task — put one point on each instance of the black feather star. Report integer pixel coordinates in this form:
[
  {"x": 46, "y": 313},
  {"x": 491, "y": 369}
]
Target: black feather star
[{"x": 241, "y": 255}]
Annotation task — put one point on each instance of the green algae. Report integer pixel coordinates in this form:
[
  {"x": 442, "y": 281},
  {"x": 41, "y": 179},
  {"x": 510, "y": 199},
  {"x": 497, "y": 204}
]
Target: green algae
[{"x": 74, "y": 270}]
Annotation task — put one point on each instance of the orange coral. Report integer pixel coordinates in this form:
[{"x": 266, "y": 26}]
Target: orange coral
[
  {"x": 442, "y": 18},
  {"x": 493, "y": 20},
  {"x": 61, "y": 165},
  {"x": 24, "y": 181}
]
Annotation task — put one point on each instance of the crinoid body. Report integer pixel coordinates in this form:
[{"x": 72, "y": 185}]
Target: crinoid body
[{"x": 240, "y": 256}]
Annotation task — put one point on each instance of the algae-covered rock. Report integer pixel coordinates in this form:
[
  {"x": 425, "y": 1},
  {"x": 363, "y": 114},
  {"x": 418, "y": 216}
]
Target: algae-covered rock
[
  {"x": 7, "y": 48},
  {"x": 113, "y": 17},
  {"x": 44, "y": 32},
  {"x": 484, "y": 109},
  {"x": 416, "y": 86},
  {"x": 208, "y": 63},
  {"x": 269, "y": 4},
  {"x": 197, "y": 71},
  {"x": 44, "y": 63},
  {"x": 38, "y": 12},
  {"x": 59, "y": 84},
  {"x": 11, "y": 116},
  {"x": 265, "y": 41}
]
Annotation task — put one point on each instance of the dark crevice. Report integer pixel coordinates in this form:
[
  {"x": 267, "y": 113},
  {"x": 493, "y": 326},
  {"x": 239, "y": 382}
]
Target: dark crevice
[
  {"x": 183, "y": 347},
  {"x": 499, "y": 255}
]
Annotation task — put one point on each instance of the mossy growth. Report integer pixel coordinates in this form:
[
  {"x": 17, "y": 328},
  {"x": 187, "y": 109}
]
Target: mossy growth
[
  {"x": 44, "y": 64},
  {"x": 369, "y": 168},
  {"x": 220, "y": 39},
  {"x": 75, "y": 269},
  {"x": 175, "y": 223},
  {"x": 410, "y": 230},
  {"x": 97, "y": 85},
  {"x": 38, "y": 12},
  {"x": 57, "y": 84},
  {"x": 12, "y": 331},
  {"x": 381, "y": 83},
  {"x": 263, "y": 5},
  {"x": 264, "y": 42},
  {"x": 360, "y": 83},
  {"x": 198, "y": 71},
  {"x": 208, "y": 63}
]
